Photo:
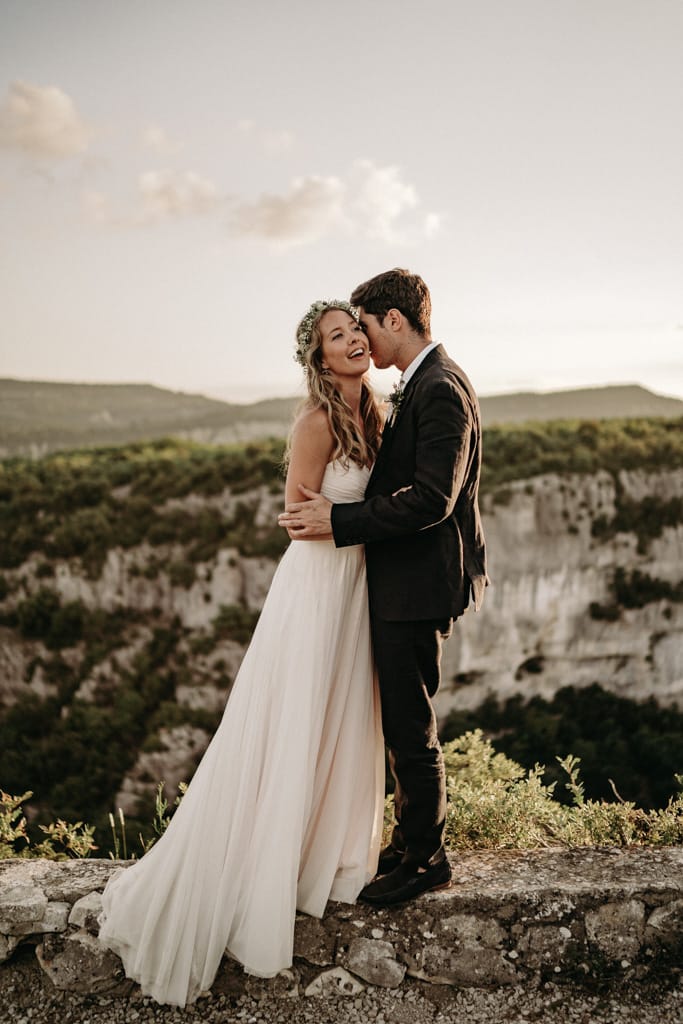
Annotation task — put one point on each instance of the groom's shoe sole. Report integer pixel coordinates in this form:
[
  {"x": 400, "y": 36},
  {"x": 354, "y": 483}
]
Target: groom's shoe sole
[{"x": 405, "y": 883}]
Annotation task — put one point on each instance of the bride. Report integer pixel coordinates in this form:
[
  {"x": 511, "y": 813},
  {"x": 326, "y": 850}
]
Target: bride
[{"x": 285, "y": 809}]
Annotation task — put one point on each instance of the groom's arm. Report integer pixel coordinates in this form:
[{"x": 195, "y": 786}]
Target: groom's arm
[{"x": 444, "y": 430}]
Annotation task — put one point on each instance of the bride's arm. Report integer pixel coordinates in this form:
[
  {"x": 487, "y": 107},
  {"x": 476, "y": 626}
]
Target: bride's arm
[{"x": 311, "y": 448}]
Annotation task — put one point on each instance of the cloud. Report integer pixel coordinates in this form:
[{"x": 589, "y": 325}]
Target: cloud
[
  {"x": 176, "y": 194},
  {"x": 157, "y": 139},
  {"x": 372, "y": 202},
  {"x": 308, "y": 211},
  {"x": 378, "y": 199},
  {"x": 42, "y": 121},
  {"x": 161, "y": 196},
  {"x": 272, "y": 140}
]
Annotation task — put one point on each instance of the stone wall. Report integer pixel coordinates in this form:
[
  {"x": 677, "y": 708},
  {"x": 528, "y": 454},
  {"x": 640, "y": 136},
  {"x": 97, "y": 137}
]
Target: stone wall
[{"x": 509, "y": 917}]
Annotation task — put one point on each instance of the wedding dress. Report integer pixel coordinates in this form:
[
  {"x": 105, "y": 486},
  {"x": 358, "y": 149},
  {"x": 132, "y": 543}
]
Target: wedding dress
[{"x": 285, "y": 809}]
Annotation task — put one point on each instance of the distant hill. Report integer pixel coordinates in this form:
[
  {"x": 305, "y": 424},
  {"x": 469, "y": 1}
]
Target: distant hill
[
  {"x": 41, "y": 416},
  {"x": 614, "y": 401}
]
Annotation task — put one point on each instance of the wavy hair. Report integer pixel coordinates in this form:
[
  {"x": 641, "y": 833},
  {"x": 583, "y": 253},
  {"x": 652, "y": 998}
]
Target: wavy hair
[
  {"x": 350, "y": 443},
  {"x": 397, "y": 289}
]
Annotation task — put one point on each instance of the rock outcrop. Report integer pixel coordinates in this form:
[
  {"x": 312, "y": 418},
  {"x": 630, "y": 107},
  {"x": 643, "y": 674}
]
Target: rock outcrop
[{"x": 535, "y": 632}]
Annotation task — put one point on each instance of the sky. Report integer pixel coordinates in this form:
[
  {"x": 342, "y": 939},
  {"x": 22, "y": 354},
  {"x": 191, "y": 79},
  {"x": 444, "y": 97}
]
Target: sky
[{"x": 179, "y": 179}]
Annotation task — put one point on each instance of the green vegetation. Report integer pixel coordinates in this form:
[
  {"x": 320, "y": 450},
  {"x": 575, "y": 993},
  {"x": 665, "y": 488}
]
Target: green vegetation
[
  {"x": 82, "y": 504},
  {"x": 42, "y": 616},
  {"x": 76, "y": 753},
  {"x": 234, "y": 622},
  {"x": 646, "y": 518},
  {"x": 63, "y": 840},
  {"x": 574, "y": 446},
  {"x": 160, "y": 822},
  {"x": 635, "y": 745},
  {"x": 493, "y": 804},
  {"x": 634, "y": 590}
]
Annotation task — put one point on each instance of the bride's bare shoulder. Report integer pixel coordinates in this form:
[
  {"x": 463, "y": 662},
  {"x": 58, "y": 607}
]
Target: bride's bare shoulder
[{"x": 311, "y": 421}]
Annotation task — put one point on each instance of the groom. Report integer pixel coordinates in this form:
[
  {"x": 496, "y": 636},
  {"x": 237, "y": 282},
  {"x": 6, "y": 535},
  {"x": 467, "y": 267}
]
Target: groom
[{"x": 425, "y": 560}]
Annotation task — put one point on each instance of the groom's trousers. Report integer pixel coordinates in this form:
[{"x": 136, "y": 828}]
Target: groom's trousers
[{"x": 408, "y": 660}]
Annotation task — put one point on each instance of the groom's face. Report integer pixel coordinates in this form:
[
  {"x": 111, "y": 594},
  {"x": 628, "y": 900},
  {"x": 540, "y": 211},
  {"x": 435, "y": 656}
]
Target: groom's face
[{"x": 381, "y": 340}]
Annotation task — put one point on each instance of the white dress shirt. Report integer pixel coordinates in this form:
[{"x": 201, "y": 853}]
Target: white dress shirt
[{"x": 412, "y": 367}]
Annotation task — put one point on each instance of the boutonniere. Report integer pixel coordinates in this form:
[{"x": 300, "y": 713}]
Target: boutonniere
[{"x": 395, "y": 399}]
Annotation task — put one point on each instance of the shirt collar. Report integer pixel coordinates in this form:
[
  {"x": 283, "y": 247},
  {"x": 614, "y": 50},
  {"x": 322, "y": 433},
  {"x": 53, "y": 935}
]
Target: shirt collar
[{"x": 412, "y": 367}]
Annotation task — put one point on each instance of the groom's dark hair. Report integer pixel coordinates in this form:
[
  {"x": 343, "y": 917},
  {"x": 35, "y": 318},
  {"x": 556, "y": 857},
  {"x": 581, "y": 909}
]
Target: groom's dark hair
[{"x": 397, "y": 289}]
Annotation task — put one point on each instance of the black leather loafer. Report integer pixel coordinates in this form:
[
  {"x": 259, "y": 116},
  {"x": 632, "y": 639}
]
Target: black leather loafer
[{"x": 406, "y": 882}]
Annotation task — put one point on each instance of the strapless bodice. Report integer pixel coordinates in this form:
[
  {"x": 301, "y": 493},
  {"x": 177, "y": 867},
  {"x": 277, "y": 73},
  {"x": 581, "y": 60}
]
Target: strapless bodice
[{"x": 344, "y": 483}]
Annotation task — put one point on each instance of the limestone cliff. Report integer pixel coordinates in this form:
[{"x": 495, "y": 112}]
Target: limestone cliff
[{"x": 535, "y": 633}]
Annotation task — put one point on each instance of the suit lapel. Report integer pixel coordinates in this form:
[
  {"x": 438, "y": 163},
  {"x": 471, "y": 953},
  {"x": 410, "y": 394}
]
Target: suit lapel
[
  {"x": 389, "y": 431},
  {"x": 408, "y": 390}
]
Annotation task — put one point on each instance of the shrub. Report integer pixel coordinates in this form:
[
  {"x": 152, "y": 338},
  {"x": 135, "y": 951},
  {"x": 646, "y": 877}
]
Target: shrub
[
  {"x": 63, "y": 839},
  {"x": 518, "y": 451},
  {"x": 604, "y": 612},
  {"x": 634, "y": 589},
  {"x": 635, "y": 744},
  {"x": 181, "y": 574},
  {"x": 495, "y": 804},
  {"x": 234, "y": 622},
  {"x": 647, "y": 519}
]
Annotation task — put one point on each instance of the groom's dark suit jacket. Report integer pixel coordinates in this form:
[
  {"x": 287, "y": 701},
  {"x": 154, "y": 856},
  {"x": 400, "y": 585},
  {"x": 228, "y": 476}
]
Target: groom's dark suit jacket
[{"x": 425, "y": 549}]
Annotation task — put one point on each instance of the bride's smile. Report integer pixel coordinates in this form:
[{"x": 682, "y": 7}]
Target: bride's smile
[{"x": 345, "y": 347}]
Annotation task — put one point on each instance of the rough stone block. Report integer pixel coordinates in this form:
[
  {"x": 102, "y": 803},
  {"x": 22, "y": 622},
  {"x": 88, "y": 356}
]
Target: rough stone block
[
  {"x": 53, "y": 920},
  {"x": 552, "y": 909},
  {"x": 617, "y": 929},
  {"x": 665, "y": 926},
  {"x": 335, "y": 982},
  {"x": 85, "y": 911},
  {"x": 21, "y": 903},
  {"x": 8, "y": 943},
  {"x": 78, "y": 963},
  {"x": 375, "y": 962},
  {"x": 63, "y": 881},
  {"x": 544, "y": 944},
  {"x": 467, "y": 951}
]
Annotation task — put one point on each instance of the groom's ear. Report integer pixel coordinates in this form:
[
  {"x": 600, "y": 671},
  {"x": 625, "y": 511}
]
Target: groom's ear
[{"x": 393, "y": 320}]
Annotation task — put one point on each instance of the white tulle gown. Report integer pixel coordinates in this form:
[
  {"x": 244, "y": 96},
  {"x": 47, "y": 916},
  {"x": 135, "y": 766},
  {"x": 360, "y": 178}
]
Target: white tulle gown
[{"x": 285, "y": 810}]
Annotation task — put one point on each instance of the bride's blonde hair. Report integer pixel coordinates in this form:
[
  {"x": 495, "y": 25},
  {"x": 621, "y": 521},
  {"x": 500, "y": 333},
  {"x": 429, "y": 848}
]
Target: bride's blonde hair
[{"x": 350, "y": 443}]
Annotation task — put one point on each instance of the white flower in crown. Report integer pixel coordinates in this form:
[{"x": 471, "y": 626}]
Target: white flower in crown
[{"x": 305, "y": 328}]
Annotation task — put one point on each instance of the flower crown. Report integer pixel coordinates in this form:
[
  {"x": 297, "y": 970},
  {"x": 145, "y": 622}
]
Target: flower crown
[{"x": 305, "y": 328}]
